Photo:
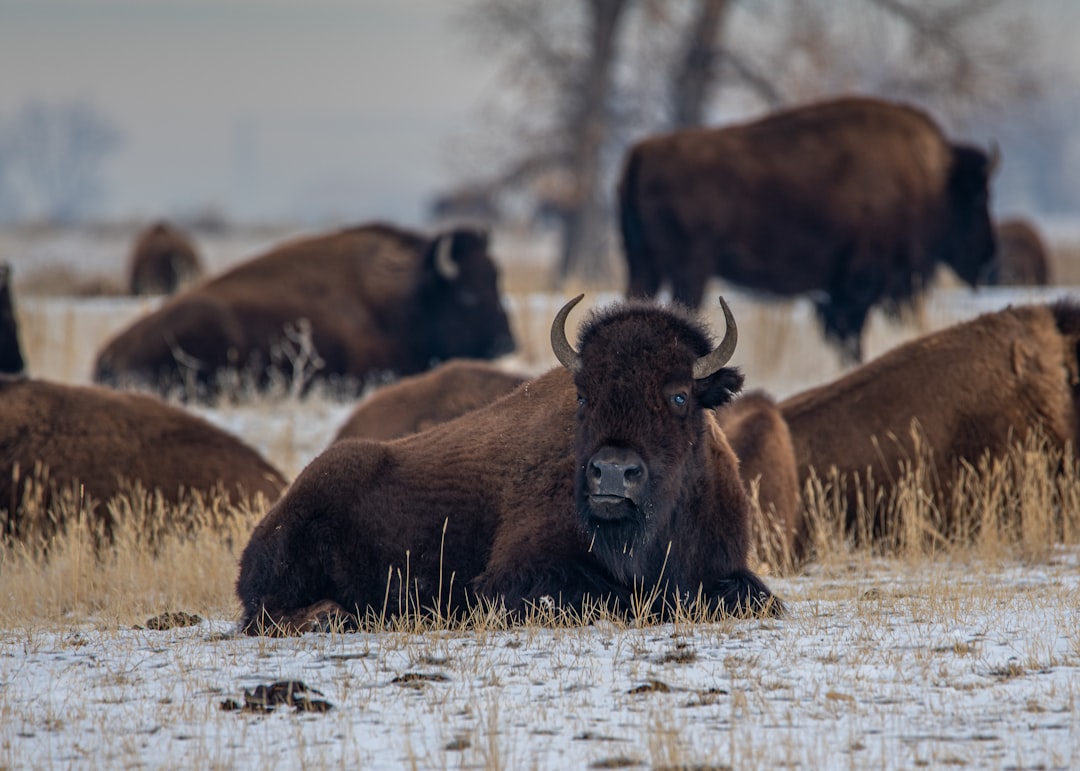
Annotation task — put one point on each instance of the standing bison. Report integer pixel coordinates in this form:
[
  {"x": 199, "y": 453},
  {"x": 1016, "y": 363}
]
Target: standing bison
[
  {"x": 102, "y": 442},
  {"x": 601, "y": 480},
  {"x": 344, "y": 306},
  {"x": 420, "y": 401},
  {"x": 852, "y": 201},
  {"x": 1022, "y": 258},
  {"x": 11, "y": 358},
  {"x": 961, "y": 393},
  {"x": 163, "y": 260}
]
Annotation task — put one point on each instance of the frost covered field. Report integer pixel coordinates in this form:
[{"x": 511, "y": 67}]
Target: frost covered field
[
  {"x": 877, "y": 665},
  {"x": 950, "y": 658}
]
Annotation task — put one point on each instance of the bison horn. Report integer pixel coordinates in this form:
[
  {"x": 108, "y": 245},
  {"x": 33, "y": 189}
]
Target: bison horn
[
  {"x": 994, "y": 160},
  {"x": 565, "y": 352},
  {"x": 444, "y": 262},
  {"x": 721, "y": 354}
]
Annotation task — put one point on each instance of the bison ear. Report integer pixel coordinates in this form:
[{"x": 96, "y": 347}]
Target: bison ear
[{"x": 719, "y": 388}]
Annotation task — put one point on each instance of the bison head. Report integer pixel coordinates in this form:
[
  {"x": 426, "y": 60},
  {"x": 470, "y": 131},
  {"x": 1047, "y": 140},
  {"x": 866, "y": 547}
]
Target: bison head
[
  {"x": 644, "y": 374},
  {"x": 969, "y": 243},
  {"x": 459, "y": 301}
]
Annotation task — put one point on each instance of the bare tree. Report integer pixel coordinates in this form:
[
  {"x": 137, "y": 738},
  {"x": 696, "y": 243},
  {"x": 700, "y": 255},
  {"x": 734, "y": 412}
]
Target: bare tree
[
  {"x": 583, "y": 78},
  {"x": 57, "y": 152}
]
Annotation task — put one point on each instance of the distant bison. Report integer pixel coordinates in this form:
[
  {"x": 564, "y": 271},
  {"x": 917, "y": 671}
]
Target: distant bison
[
  {"x": 420, "y": 401},
  {"x": 761, "y": 440},
  {"x": 604, "y": 479},
  {"x": 341, "y": 307},
  {"x": 163, "y": 260},
  {"x": 968, "y": 390},
  {"x": 1022, "y": 258},
  {"x": 852, "y": 202},
  {"x": 105, "y": 441},
  {"x": 11, "y": 358}
]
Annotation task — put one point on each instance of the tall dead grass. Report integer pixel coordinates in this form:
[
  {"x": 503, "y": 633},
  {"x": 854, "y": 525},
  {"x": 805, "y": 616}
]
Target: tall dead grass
[{"x": 1017, "y": 506}]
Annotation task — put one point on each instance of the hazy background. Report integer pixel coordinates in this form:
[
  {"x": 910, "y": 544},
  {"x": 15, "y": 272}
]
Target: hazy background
[
  {"x": 322, "y": 111},
  {"x": 298, "y": 110}
]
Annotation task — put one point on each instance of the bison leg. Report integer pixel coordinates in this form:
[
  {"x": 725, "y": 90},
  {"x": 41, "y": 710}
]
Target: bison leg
[
  {"x": 323, "y": 616},
  {"x": 744, "y": 594}
]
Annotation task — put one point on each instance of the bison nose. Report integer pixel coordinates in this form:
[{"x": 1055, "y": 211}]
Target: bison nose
[{"x": 616, "y": 471}]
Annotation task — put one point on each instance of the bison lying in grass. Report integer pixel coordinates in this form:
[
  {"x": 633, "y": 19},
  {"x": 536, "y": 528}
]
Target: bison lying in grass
[
  {"x": 941, "y": 403},
  {"x": 63, "y": 438},
  {"x": 607, "y": 480}
]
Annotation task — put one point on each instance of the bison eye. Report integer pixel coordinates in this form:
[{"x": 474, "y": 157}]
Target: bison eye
[
  {"x": 581, "y": 400},
  {"x": 678, "y": 400}
]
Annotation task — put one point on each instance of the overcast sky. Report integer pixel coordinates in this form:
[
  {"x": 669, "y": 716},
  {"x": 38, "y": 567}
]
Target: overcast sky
[
  {"x": 305, "y": 109},
  {"x": 265, "y": 109}
]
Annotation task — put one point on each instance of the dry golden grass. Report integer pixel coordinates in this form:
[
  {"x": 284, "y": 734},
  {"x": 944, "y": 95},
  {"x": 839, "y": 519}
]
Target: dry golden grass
[{"x": 158, "y": 556}]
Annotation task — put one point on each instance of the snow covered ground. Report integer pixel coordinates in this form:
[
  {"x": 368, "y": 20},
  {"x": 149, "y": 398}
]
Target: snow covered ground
[{"x": 875, "y": 666}]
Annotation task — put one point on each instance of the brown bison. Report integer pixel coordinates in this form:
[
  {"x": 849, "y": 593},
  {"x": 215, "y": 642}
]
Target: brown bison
[
  {"x": 11, "y": 358},
  {"x": 965, "y": 391},
  {"x": 420, "y": 401},
  {"x": 105, "y": 441},
  {"x": 852, "y": 201},
  {"x": 1021, "y": 255},
  {"x": 342, "y": 307},
  {"x": 601, "y": 479},
  {"x": 760, "y": 438},
  {"x": 162, "y": 261}
]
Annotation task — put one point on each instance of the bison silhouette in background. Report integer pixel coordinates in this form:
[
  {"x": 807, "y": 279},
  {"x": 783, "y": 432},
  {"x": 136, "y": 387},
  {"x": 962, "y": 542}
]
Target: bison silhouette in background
[
  {"x": 163, "y": 260},
  {"x": 342, "y": 307},
  {"x": 1022, "y": 258},
  {"x": 11, "y": 358},
  {"x": 852, "y": 202},
  {"x": 602, "y": 479}
]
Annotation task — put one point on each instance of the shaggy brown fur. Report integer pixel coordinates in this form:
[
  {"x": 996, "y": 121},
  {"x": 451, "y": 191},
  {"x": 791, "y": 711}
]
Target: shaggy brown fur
[
  {"x": 499, "y": 505},
  {"x": 377, "y": 299},
  {"x": 163, "y": 260},
  {"x": 11, "y": 359},
  {"x": 421, "y": 401},
  {"x": 855, "y": 199},
  {"x": 971, "y": 389},
  {"x": 760, "y": 438},
  {"x": 105, "y": 440},
  {"x": 1022, "y": 258}
]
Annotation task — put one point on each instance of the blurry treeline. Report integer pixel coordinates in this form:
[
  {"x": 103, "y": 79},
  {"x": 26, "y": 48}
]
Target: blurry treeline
[
  {"x": 579, "y": 80},
  {"x": 52, "y": 161}
]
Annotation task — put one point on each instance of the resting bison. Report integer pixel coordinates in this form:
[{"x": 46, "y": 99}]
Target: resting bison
[
  {"x": 106, "y": 440},
  {"x": 760, "y": 438},
  {"x": 11, "y": 359},
  {"x": 973, "y": 388},
  {"x": 852, "y": 201},
  {"x": 162, "y": 261},
  {"x": 368, "y": 300},
  {"x": 424, "y": 400},
  {"x": 1021, "y": 258},
  {"x": 601, "y": 479}
]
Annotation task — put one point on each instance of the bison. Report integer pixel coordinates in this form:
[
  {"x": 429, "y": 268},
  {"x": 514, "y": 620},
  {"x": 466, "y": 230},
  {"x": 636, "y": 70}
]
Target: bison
[
  {"x": 420, "y": 401},
  {"x": 11, "y": 358},
  {"x": 852, "y": 201},
  {"x": 163, "y": 260},
  {"x": 342, "y": 307},
  {"x": 600, "y": 480},
  {"x": 1021, "y": 258},
  {"x": 105, "y": 442},
  {"x": 969, "y": 390},
  {"x": 761, "y": 440}
]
